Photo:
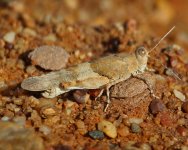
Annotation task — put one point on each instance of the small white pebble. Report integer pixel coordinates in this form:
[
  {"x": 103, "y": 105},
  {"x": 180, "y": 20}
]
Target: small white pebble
[
  {"x": 45, "y": 129},
  {"x": 50, "y": 37},
  {"x": 108, "y": 128},
  {"x": 5, "y": 118},
  {"x": 30, "y": 32},
  {"x": 9, "y": 37},
  {"x": 135, "y": 120},
  {"x": 179, "y": 95}
]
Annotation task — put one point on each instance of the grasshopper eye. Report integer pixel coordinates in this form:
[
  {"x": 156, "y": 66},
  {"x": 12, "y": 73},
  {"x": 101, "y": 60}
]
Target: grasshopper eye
[{"x": 141, "y": 51}]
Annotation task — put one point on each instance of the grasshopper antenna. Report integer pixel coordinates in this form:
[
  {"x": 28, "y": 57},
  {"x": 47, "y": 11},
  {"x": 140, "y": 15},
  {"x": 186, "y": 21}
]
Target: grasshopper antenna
[
  {"x": 162, "y": 38},
  {"x": 172, "y": 72}
]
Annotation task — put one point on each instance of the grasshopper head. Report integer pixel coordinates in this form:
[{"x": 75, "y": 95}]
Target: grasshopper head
[{"x": 142, "y": 57}]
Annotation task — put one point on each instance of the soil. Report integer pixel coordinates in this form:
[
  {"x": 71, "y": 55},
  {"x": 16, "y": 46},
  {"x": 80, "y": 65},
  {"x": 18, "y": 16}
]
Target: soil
[{"x": 88, "y": 30}]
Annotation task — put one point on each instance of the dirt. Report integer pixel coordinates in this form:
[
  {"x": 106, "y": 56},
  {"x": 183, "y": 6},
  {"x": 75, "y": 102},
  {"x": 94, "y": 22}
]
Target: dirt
[{"x": 88, "y": 30}]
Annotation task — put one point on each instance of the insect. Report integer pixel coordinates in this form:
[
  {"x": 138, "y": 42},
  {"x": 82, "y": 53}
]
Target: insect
[{"x": 101, "y": 74}]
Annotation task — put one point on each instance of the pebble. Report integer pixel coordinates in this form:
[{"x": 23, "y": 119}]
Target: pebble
[
  {"x": 96, "y": 134},
  {"x": 18, "y": 101},
  {"x": 49, "y": 57},
  {"x": 33, "y": 102},
  {"x": 44, "y": 129},
  {"x": 68, "y": 106},
  {"x": 182, "y": 130},
  {"x": 156, "y": 106},
  {"x": 30, "y": 32},
  {"x": 108, "y": 128},
  {"x": 47, "y": 112},
  {"x": 135, "y": 120},
  {"x": 179, "y": 95},
  {"x": 165, "y": 119},
  {"x": 81, "y": 96},
  {"x": 123, "y": 131},
  {"x": 185, "y": 107},
  {"x": 50, "y": 37},
  {"x": 9, "y": 37},
  {"x": 135, "y": 128},
  {"x": 5, "y": 118},
  {"x": 31, "y": 69}
]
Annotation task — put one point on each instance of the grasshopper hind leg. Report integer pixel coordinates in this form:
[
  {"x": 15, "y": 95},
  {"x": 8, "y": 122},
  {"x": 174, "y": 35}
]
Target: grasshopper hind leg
[
  {"x": 108, "y": 97},
  {"x": 100, "y": 94}
]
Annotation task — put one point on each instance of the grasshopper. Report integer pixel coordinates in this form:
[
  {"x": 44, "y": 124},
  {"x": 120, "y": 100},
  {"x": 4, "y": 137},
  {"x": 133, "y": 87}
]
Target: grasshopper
[{"x": 101, "y": 74}]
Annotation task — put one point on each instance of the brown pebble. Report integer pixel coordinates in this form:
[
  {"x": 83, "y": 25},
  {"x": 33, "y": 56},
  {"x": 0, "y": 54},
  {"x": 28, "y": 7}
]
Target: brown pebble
[
  {"x": 185, "y": 107},
  {"x": 49, "y": 57},
  {"x": 81, "y": 96},
  {"x": 165, "y": 119},
  {"x": 9, "y": 46},
  {"x": 156, "y": 106},
  {"x": 182, "y": 130},
  {"x": 123, "y": 131},
  {"x": 47, "y": 112}
]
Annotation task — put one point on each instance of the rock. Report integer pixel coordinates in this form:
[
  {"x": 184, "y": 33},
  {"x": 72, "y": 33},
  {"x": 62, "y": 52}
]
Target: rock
[
  {"x": 69, "y": 106},
  {"x": 44, "y": 129},
  {"x": 96, "y": 134},
  {"x": 123, "y": 131},
  {"x": 47, "y": 112},
  {"x": 179, "y": 95},
  {"x": 182, "y": 130},
  {"x": 81, "y": 96},
  {"x": 165, "y": 119},
  {"x": 14, "y": 137},
  {"x": 5, "y": 118},
  {"x": 108, "y": 128},
  {"x": 9, "y": 37},
  {"x": 156, "y": 106},
  {"x": 18, "y": 101},
  {"x": 185, "y": 107},
  {"x": 49, "y": 57},
  {"x": 135, "y": 120},
  {"x": 135, "y": 128},
  {"x": 50, "y": 37},
  {"x": 31, "y": 69}
]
